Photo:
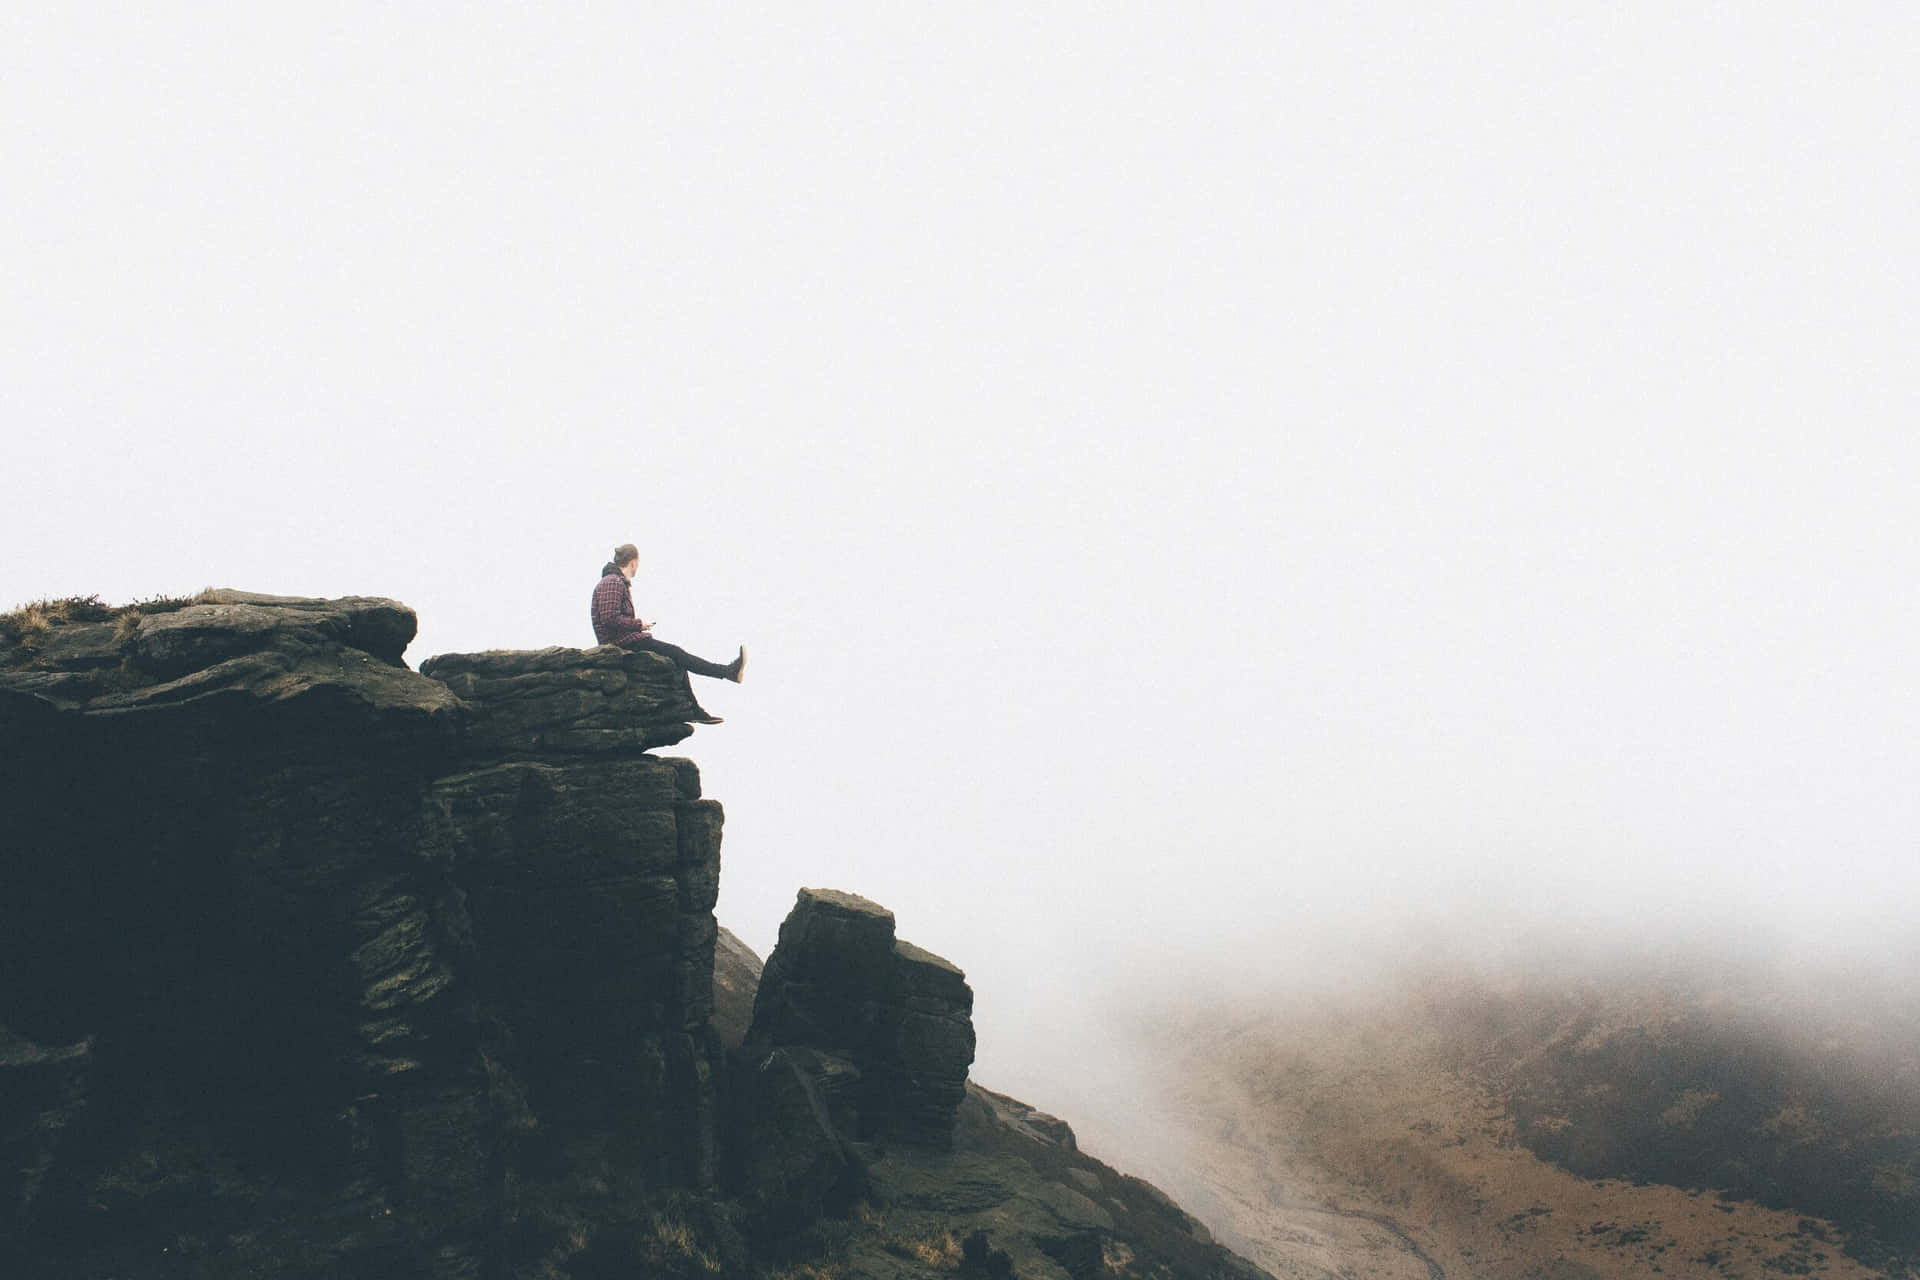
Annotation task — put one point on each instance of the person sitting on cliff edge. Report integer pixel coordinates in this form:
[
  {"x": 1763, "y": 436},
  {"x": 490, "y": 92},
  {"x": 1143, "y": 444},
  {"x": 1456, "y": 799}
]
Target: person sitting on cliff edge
[{"x": 614, "y": 621}]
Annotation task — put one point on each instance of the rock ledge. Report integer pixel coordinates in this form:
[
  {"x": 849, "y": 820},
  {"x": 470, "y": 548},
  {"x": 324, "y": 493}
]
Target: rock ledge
[{"x": 568, "y": 701}]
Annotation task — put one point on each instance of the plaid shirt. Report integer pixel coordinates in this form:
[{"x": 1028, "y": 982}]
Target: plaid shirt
[{"x": 613, "y": 617}]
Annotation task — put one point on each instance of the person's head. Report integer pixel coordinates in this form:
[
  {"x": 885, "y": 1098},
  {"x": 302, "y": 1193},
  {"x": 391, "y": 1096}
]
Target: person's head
[{"x": 626, "y": 558}]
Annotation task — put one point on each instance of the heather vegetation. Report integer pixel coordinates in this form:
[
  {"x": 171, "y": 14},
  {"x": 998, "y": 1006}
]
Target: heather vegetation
[
  {"x": 26, "y": 626},
  {"x": 1806, "y": 1106}
]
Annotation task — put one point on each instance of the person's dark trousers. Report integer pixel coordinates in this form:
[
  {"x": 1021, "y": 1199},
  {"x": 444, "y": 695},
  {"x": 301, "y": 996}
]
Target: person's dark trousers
[{"x": 699, "y": 666}]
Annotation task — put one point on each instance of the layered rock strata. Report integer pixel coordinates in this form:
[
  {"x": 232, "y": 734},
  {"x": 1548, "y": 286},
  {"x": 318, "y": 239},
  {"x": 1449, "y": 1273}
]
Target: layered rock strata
[
  {"x": 1007, "y": 1191},
  {"x": 858, "y": 1040},
  {"x": 315, "y": 965},
  {"x": 839, "y": 982},
  {"x": 569, "y": 701}
]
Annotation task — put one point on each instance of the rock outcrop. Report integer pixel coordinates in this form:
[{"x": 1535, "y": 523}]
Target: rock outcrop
[
  {"x": 851, "y": 1100},
  {"x": 569, "y": 701},
  {"x": 312, "y": 965},
  {"x": 839, "y": 982},
  {"x": 293, "y": 937},
  {"x": 208, "y": 665},
  {"x": 1019, "y": 1191},
  {"x": 858, "y": 1041}
]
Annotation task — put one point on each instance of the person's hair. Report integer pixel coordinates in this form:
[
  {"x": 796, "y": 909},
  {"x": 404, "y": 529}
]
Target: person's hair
[{"x": 625, "y": 554}]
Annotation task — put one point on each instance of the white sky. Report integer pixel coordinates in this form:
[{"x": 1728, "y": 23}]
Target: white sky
[{"x": 1188, "y": 478}]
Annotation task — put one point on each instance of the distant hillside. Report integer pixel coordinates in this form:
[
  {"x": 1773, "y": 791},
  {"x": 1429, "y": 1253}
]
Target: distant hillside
[
  {"x": 1790, "y": 1099},
  {"x": 1642, "y": 1125}
]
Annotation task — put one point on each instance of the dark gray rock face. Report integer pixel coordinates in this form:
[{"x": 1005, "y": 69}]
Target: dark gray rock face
[
  {"x": 232, "y": 623},
  {"x": 795, "y": 1164},
  {"x": 323, "y": 663},
  {"x": 313, "y": 965},
  {"x": 1017, "y": 1187},
  {"x": 857, "y": 1041},
  {"x": 736, "y": 980},
  {"x": 1012, "y": 1194},
  {"x": 840, "y": 982},
  {"x": 42, "y": 1090},
  {"x": 586, "y": 916}
]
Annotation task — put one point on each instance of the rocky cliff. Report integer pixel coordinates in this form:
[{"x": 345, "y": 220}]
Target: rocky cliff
[
  {"x": 315, "y": 965},
  {"x": 861, "y": 1150}
]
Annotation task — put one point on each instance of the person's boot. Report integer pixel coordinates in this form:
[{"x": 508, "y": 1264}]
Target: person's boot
[
  {"x": 701, "y": 717},
  {"x": 737, "y": 669}
]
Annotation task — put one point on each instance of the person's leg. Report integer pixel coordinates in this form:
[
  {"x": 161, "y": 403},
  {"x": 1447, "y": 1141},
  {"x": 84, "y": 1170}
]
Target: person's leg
[{"x": 699, "y": 666}]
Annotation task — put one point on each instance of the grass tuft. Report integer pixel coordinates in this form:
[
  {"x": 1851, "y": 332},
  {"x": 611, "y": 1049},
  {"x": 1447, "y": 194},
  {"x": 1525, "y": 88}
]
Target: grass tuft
[
  {"x": 28, "y": 625},
  {"x": 941, "y": 1250},
  {"x": 675, "y": 1244},
  {"x": 167, "y": 604}
]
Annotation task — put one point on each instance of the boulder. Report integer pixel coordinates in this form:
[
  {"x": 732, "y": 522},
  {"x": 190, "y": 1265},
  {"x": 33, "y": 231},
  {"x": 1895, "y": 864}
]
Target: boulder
[{"x": 840, "y": 982}]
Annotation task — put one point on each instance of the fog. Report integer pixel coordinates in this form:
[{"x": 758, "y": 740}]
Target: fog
[{"x": 1211, "y": 498}]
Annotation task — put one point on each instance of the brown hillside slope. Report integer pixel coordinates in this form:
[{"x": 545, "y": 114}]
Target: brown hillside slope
[{"x": 1366, "y": 1140}]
